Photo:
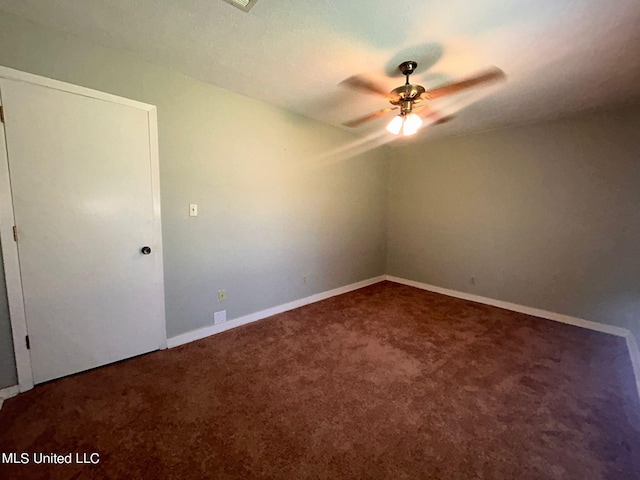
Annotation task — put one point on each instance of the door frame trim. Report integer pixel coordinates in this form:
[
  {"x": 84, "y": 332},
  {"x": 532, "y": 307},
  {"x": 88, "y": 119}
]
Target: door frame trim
[
  {"x": 12, "y": 276},
  {"x": 7, "y": 220}
]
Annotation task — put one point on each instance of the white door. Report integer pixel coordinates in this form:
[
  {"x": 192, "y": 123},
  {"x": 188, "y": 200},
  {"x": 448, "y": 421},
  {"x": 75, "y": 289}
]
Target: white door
[{"x": 80, "y": 170}]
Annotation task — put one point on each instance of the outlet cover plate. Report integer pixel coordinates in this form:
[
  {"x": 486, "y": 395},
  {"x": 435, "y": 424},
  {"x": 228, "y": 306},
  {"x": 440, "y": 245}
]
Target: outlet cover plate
[{"x": 219, "y": 317}]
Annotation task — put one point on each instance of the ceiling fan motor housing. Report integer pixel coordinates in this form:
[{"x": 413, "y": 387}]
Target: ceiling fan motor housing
[{"x": 408, "y": 94}]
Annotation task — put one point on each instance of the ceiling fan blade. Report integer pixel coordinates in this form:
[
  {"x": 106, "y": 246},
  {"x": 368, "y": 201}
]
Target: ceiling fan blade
[
  {"x": 442, "y": 120},
  {"x": 359, "y": 82},
  {"x": 359, "y": 121},
  {"x": 491, "y": 75},
  {"x": 426, "y": 112},
  {"x": 437, "y": 117}
]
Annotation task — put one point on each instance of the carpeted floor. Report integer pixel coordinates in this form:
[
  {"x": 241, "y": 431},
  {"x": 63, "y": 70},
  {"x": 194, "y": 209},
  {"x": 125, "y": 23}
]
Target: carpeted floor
[{"x": 387, "y": 382}]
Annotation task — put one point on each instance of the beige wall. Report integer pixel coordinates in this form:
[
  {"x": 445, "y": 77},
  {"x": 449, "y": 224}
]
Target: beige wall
[
  {"x": 544, "y": 215},
  {"x": 274, "y": 203}
]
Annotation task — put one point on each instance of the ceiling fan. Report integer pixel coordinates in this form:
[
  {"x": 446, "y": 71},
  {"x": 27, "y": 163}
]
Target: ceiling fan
[{"x": 407, "y": 98}]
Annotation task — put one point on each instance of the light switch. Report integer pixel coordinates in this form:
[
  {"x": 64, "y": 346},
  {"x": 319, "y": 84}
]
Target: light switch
[{"x": 193, "y": 210}]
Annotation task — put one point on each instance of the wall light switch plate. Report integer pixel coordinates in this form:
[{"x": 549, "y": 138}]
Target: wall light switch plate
[
  {"x": 222, "y": 295},
  {"x": 219, "y": 317},
  {"x": 193, "y": 210}
]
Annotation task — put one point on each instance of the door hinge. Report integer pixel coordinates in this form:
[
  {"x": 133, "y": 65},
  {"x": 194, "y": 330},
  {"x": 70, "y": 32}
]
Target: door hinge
[
  {"x": 15, "y": 233},
  {"x": 27, "y": 342},
  {"x": 1, "y": 114}
]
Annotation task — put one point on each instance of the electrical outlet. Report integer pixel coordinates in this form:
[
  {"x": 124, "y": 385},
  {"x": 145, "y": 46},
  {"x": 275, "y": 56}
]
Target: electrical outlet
[
  {"x": 219, "y": 317},
  {"x": 222, "y": 295}
]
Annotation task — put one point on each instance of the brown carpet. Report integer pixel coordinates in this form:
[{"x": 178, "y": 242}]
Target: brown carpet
[{"x": 387, "y": 382}]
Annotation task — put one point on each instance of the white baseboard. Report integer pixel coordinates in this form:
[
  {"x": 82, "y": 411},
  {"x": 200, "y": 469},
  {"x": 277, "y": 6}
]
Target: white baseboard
[
  {"x": 634, "y": 353},
  {"x": 213, "y": 329},
  {"x": 8, "y": 392},
  {"x": 514, "y": 307},
  {"x": 632, "y": 345}
]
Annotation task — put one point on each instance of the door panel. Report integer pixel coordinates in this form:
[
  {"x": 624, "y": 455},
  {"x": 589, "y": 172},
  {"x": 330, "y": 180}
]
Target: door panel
[{"x": 80, "y": 173}]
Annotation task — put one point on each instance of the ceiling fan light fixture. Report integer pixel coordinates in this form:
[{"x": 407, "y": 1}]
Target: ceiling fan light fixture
[
  {"x": 409, "y": 124},
  {"x": 412, "y": 123},
  {"x": 395, "y": 125}
]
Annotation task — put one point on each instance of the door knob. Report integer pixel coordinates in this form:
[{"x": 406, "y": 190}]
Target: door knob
[{"x": 145, "y": 250}]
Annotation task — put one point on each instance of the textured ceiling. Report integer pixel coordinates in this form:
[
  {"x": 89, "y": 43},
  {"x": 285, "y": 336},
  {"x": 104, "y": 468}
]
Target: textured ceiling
[{"x": 559, "y": 56}]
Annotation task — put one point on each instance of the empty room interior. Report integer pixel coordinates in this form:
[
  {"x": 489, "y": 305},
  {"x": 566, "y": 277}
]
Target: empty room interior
[{"x": 286, "y": 239}]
